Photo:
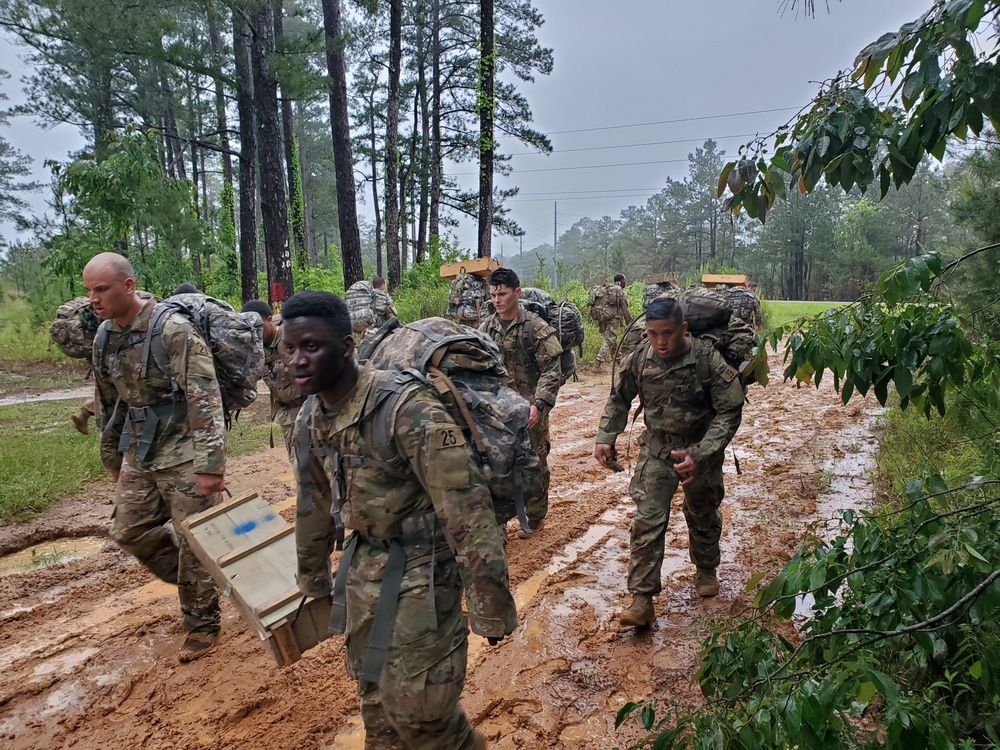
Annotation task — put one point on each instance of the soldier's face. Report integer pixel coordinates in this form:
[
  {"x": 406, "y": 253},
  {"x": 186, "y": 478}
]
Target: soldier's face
[
  {"x": 319, "y": 361},
  {"x": 505, "y": 301},
  {"x": 109, "y": 293},
  {"x": 667, "y": 337}
]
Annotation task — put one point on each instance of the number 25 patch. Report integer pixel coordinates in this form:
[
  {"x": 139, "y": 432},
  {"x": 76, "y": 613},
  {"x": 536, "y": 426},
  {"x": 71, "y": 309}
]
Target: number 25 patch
[{"x": 447, "y": 437}]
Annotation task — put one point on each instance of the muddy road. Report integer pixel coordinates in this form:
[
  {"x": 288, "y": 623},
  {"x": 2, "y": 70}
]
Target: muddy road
[{"x": 88, "y": 645}]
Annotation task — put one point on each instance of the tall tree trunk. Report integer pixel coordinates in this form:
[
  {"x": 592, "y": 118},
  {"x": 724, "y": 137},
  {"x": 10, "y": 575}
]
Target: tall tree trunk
[
  {"x": 296, "y": 207},
  {"x": 307, "y": 186},
  {"x": 195, "y": 252},
  {"x": 487, "y": 70},
  {"x": 248, "y": 157},
  {"x": 421, "y": 119},
  {"x": 375, "y": 201},
  {"x": 273, "y": 208},
  {"x": 347, "y": 211},
  {"x": 434, "y": 220},
  {"x": 221, "y": 121},
  {"x": 392, "y": 250}
]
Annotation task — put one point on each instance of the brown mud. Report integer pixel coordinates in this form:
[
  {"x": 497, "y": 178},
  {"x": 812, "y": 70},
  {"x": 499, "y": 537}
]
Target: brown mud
[{"x": 89, "y": 644}]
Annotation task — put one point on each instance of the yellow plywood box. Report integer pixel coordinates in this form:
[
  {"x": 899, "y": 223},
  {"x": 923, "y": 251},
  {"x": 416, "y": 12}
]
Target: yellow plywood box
[
  {"x": 476, "y": 266},
  {"x": 250, "y": 552},
  {"x": 731, "y": 279}
]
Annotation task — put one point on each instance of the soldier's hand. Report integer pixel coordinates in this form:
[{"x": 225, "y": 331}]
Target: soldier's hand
[
  {"x": 533, "y": 416},
  {"x": 209, "y": 484},
  {"x": 604, "y": 454},
  {"x": 685, "y": 467}
]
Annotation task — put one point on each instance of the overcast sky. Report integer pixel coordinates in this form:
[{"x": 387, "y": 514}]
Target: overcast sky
[{"x": 668, "y": 73}]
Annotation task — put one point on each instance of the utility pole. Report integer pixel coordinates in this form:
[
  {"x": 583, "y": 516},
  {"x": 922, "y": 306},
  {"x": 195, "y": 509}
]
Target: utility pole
[{"x": 555, "y": 236}]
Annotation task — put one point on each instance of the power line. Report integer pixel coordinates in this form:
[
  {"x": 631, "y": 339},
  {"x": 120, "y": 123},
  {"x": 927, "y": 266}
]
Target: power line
[
  {"x": 580, "y": 198},
  {"x": 635, "y": 145},
  {"x": 591, "y": 166},
  {"x": 682, "y": 119}
]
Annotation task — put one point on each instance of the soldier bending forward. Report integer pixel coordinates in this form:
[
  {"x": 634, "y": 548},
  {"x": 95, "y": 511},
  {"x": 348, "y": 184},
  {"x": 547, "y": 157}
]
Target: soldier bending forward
[
  {"x": 693, "y": 403},
  {"x": 379, "y": 454}
]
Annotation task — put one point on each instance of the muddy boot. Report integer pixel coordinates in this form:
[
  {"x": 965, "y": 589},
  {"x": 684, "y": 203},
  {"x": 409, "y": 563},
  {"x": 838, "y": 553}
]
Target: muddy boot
[
  {"x": 706, "y": 583},
  {"x": 81, "y": 421},
  {"x": 640, "y": 613},
  {"x": 197, "y": 645},
  {"x": 522, "y": 534},
  {"x": 478, "y": 740}
]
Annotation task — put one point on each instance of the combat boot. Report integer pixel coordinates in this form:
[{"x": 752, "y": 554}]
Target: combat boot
[
  {"x": 706, "y": 583},
  {"x": 522, "y": 534},
  {"x": 197, "y": 645},
  {"x": 81, "y": 421},
  {"x": 478, "y": 740},
  {"x": 640, "y": 613}
]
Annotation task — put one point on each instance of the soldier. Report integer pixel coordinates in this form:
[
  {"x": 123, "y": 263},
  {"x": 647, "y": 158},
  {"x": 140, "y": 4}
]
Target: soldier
[
  {"x": 531, "y": 351},
  {"x": 162, "y": 439},
  {"x": 693, "y": 403},
  {"x": 285, "y": 396},
  {"x": 609, "y": 308},
  {"x": 405, "y": 481},
  {"x": 385, "y": 308}
]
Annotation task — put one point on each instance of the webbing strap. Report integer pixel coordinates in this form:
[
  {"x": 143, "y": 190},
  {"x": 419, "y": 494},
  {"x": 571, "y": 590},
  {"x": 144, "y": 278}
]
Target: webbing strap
[
  {"x": 385, "y": 614},
  {"x": 522, "y": 513},
  {"x": 477, "y": 437},
  {"x": 338, "y": 600}
]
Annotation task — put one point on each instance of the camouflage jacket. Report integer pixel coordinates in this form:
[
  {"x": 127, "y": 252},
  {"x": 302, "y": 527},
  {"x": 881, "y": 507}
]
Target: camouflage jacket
[
  {"x": 531, "y": 351},
  {"x": 386, "y": 487},
  {"x": 614, "y": 306},
  {"x": 279, "y": 379},
  {"x": 197, "y": 435},
  {"x": 384, "y": 307},
  {"x": 694, "y": 401}
]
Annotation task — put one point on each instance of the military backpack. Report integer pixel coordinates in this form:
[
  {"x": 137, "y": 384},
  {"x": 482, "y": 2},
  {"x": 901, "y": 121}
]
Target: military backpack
[
  {"x": 564, "y": 317},
  {"x": 602, "y": 303},
  {"x": 467, "y": 298},
  {"x": 465, "y": 369},
  {"x": 235, "y": 339},
  {"x": 745, "y": 304},
  {"x": 360, "y": 301},
  {"x": 74, "y": 328}
]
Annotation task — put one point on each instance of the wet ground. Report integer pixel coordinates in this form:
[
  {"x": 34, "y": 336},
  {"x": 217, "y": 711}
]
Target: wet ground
[{"x": 88, "y": 640}]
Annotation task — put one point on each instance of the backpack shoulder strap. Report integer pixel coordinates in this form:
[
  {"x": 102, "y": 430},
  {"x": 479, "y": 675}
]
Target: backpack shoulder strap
[{"x": 101, "y": 343}]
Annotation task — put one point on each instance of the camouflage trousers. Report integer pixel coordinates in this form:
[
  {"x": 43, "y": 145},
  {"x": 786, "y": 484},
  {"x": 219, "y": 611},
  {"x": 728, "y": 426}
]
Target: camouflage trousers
[
  {"x": 415, "y": 706},
  {"x": 652, "y": 488},
  {"x": 537, "y": 508},
  {"x": 146, "y": 501},
  {"x": 285, "y": 416},
  {"x": 609, "y": 343}
]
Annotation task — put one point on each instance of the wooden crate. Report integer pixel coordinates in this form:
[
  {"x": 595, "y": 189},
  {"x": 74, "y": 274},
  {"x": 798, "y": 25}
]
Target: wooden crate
[
  {"x": 476, "y": 266},
  {"x": 732, "y": 279},
  {"x": 250, "y": 552}
]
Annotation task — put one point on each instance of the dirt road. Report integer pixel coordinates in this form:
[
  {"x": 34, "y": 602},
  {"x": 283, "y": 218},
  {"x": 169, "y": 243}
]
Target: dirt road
[{"x": 88, "y": 646}]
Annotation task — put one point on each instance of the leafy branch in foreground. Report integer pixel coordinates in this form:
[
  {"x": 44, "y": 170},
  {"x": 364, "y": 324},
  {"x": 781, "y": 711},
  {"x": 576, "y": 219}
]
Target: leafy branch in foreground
[{"x": 907, "y": 93}]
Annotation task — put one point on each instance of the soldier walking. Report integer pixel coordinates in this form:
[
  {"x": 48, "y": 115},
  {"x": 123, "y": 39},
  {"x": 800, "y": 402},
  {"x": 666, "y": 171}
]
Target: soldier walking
[
  {"x": 378, "y": 453},
  {"x": 162, "y": 439},
  {"x": 285, "y": 396},
  {"x": 609, "y": 308},
  {"x": 693, "y": 404},
  {"x": 531, "y": 352},
  {"x": 384, "y": 307}
]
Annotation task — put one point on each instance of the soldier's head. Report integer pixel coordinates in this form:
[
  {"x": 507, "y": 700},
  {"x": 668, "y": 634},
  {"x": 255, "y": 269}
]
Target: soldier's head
[
  {"x": 110, "y": 283},
  {"x": 752, "y": 286},
  {"x": 620, "y": 280},
  {"x": 378, "y": 282},
  {"x": 666, "y": 328},
  {"x": 185, "y": 287},
  {"x": 505, "y": 291},
  {"x": 318, "y": 344},
  {"x": 266, "y": 313}
]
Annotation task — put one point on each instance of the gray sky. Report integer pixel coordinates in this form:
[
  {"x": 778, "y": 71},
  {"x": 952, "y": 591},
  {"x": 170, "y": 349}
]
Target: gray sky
[{"x": 696, "y": 69}]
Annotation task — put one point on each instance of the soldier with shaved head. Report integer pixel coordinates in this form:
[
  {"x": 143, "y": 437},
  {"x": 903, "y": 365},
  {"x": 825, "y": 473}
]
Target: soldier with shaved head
[{"x": 162, "y": 438}]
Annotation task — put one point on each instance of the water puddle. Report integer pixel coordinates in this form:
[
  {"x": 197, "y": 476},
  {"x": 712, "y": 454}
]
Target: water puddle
[
  {"x": 64, "y": 395},
  {"x": 50, "y": 553}
]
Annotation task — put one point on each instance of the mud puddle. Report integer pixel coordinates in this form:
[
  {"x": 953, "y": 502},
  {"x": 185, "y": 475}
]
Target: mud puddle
[{"x": 52, "y": 552}]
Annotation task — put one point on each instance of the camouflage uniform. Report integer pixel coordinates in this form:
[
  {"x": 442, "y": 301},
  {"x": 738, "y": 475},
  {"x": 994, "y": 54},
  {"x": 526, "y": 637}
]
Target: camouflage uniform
[
  {"x": 617, "y": 312},
  {"x": 531, "y": 352},
  {"x": 746, "y": 305},
  {"x": 384, "y": 307},
  {"x": 694, "y": 402},
  {"x": 189, "y": 440},
  {"x": 285, "y": 398},
  {"x": 402, "y": 471}
]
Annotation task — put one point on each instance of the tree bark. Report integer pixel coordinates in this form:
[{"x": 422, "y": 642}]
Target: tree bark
[
  {"x": 392, "y": 208},
  {"x": 295, "y": 201},
  {"x": 347, "y": 212},
  {"x": 247, "y": 159},
  {"x": 272, "y": 188},
  {"x": 373, "y": 135},
  {"x": 487, "y": 69},
  {"x": 434, "y": 219}
]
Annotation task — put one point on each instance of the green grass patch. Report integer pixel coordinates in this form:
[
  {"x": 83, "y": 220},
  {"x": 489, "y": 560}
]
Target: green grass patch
[
  {"x": 22, "y": 337},
  {"x": 779, "y": 312}
]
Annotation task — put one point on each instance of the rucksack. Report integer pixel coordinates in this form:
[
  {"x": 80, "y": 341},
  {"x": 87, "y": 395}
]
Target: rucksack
[
  {"x": 74, "y": 328},
  {"x": 745, "y": 304},
  {"x": 360, "y": 300},
  {"x": 235, "y": 339},
  {"x": 465, "y": 369},
  {"x": 467, "y": 298},
  {"x": 564, "y": 317},
  {"x": 601, "y": 304},
  {"x": 652, "y": 291}
]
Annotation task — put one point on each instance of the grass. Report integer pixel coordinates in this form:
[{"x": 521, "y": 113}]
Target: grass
[
  {"x": 779, "y": 312},
  {"x": 42, "y": 458},
  {"x": 21, "y": 338}
]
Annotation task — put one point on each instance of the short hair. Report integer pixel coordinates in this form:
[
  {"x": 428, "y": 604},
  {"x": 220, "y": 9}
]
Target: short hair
[
  {"x": 665, "y": 308},
  {"x": 751, "y": 285},
  {"x": 186, "y": 287},
  {"x": 505, "y": 277},
  {"x": 378, "y": 282},
  {"x": 260, "y": 307},
  {"x": 619, "y": 277},
  {"x": 326, "y": 306}
]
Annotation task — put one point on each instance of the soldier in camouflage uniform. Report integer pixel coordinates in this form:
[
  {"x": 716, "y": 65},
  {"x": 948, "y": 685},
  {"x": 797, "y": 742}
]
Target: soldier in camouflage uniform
[
  {"x": 162, "y": 440},
  {"x": 285, "y": 396},
  {"x": 693, "y": 403},
  {"x": 609, "y": 315},
  {"x": 384, "y": 307},
  {"x": 531, "y": 352},
  {"x": 379, "y": 454}
]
